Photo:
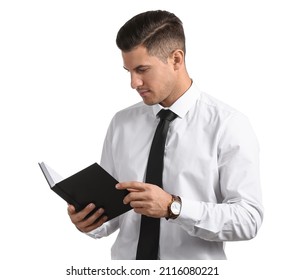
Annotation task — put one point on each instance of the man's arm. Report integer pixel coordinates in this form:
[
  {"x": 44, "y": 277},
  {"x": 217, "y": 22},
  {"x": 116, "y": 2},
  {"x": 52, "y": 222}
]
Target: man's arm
[{"x": 239, "y": 215}]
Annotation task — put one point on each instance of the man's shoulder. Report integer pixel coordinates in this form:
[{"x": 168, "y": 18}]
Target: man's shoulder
[
  {"x": 219, "y": 112},
  {"x": 212, "y": 103},
  {"x": 133, "y": 112},
  {"x": 140, "y": 106}
]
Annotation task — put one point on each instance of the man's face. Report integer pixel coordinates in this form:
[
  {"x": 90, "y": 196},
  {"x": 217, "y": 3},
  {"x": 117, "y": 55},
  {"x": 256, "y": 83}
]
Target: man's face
[{"x": 153, "y": 79}]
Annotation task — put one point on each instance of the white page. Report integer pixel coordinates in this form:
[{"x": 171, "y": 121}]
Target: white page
[{"x": 51, "y": 176}]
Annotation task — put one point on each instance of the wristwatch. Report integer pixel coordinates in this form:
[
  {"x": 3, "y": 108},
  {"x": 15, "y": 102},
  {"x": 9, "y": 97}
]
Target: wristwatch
[{"x": 174, "y": 207}]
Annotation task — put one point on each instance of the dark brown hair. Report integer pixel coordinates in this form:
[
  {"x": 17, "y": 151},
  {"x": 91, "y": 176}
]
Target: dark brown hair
[{"x": 161, "y": 32}]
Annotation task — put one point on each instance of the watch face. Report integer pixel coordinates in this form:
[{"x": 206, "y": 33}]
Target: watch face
[{"x": 175, "y": 208}]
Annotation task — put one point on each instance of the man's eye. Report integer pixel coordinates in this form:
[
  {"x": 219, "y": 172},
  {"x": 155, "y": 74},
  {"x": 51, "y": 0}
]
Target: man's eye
[{"x": 142, "y": 70}]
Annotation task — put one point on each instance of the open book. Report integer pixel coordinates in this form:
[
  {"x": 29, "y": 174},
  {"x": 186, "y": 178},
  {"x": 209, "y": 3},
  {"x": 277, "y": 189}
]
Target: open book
[{"x": 92, "y": 184}]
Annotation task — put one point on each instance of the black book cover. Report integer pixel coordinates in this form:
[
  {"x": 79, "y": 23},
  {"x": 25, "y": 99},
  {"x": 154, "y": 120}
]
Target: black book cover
[{"x": 90, "y": 185}]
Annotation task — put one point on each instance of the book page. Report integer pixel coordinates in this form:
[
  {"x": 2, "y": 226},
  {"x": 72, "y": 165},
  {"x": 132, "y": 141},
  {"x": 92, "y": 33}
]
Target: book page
[{"x": 51, "y": 176}]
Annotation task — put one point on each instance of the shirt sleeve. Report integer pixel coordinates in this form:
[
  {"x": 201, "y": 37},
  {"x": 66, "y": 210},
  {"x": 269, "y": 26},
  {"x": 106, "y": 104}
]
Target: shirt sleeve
[
  {"x": 240, "y": 214},
  {"x": 105, "y": 230}
]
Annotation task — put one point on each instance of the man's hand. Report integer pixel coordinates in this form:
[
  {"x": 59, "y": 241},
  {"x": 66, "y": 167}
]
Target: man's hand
[
  {"x": 86, "y": 224},
  {"x": 146, "y": 199}
]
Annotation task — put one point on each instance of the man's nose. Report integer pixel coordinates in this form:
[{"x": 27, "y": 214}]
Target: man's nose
[{"x": 136, "y": 81}]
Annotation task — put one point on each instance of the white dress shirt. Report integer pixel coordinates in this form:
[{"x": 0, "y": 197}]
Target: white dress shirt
[{"x": 211, "y": 162}]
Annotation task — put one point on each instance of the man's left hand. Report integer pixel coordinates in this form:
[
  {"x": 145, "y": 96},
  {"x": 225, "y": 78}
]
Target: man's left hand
[{"x": 146, "y": 199}]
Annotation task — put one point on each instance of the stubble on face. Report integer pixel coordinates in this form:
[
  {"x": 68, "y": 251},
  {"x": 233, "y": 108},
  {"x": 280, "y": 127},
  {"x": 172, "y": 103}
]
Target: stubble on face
[{"x": 151, "y": 77}]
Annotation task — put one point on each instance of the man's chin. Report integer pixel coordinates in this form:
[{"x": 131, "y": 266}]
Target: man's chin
[{"x": 149, "y": 102}]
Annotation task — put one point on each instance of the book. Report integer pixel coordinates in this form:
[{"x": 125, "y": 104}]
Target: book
[{"x": 90, "y": 185}]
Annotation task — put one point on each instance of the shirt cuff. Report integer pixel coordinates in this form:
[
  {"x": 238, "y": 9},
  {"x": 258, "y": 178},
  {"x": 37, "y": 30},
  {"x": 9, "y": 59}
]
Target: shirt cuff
[{"x": 97, "y": 233}]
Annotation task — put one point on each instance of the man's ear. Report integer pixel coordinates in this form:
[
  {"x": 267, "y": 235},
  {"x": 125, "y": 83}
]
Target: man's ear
[{"x": 178, "y": 59}]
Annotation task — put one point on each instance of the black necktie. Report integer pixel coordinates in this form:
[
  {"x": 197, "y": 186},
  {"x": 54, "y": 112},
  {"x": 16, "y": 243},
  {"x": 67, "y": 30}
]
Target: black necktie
[{"x": 148, "y": 243}]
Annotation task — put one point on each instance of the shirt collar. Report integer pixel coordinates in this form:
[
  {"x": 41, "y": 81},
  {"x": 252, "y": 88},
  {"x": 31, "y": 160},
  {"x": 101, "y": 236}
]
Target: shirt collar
[{"x": 183, "y": 104}]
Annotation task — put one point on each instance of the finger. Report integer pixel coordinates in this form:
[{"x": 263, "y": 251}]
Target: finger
[
  {"x": 79, "y": 216},
  {"x": 138, "y": 204},
  {"x": 94, "y": 221},
  {"x": 134, "y": 196},
  {"x": 94, "y": 217},
  {"x": 131, "y": 186},
  {"x": 133, "y": 190},
  {"x": 95, "y": 225},
  {"x": 71, "y": 209},
  {"x": 146, "y": 212},
  {"x": 139, "y": 211}
]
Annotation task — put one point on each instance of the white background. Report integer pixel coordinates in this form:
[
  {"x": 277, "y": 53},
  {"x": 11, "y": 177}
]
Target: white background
[{"x": 61, "y": 81}]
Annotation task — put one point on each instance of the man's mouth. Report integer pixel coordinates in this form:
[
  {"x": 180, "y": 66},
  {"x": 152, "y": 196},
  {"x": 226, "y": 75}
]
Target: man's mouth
[{"x": 143, "y": 92}]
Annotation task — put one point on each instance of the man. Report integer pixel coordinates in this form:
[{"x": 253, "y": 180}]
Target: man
[{"x": 210, "y": 191}]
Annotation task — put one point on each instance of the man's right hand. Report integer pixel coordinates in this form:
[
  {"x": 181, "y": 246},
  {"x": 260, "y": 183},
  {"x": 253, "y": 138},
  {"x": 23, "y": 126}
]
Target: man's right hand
[{"x": 86, "y": 224}]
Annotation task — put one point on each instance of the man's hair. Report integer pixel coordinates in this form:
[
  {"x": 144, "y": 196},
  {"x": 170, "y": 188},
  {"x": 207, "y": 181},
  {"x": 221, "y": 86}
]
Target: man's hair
[{"x": 160, "y": 32}]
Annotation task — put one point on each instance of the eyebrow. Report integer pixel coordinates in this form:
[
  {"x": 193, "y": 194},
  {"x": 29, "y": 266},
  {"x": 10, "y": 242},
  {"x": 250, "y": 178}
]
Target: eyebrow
[{"x": 136, "y": 68}]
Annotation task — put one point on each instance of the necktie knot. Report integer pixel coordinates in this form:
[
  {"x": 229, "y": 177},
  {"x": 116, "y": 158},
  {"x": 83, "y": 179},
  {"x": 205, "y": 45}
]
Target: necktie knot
[{"x": 167, "y": 115}]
